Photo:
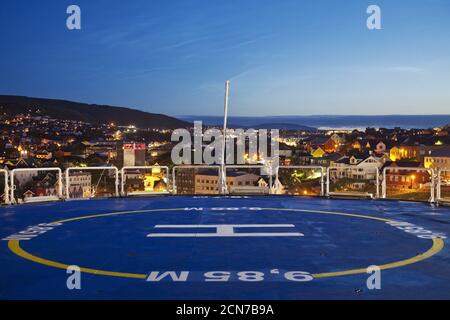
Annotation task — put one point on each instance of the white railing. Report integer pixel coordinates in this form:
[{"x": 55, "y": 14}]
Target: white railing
[
  {"x": 192, "y": 167},
  {"x": 6, "y": 188},
  {"x": 322, "y": 173},
  {"x": 116, "y": 177},
  {"x": 356, "y": 171},
  {"x": 420, "y": 169},
  {"x": 10, "y": 185},
  {"x": 439, "y": 197},
  {"x": 124, "y": 178},
  {"x": 40, "y": 198}
]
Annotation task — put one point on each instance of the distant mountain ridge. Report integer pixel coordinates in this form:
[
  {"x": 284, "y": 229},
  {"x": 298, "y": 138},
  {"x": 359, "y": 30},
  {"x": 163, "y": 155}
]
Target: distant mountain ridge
[
  {"x": 282, "y": 126},
  {"x": 326, "y": 122},
  {"x": 91, "y": 113}
]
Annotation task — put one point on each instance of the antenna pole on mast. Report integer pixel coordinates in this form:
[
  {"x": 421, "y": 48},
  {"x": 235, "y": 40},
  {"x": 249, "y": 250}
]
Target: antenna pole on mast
[{"x": 223, "y": 176}]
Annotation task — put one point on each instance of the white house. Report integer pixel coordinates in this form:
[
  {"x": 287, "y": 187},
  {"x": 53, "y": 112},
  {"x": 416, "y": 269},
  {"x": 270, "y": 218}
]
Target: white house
[
  {"x": 277, "y": 186},
  {"x": 358, "y": 168}
]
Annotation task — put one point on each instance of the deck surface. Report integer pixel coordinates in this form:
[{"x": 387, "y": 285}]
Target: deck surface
[{"x": 225, "y": 248}]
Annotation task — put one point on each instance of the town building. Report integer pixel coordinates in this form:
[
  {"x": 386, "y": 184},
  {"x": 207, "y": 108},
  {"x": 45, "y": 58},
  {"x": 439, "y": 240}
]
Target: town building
[
  {"x": 406, "y": 176},
  {"x": 80, "y": 184},
  {"x": 133, "y": 154},
  {"x": 438, "y": 159},
  {"x": 206, "y": 181}
]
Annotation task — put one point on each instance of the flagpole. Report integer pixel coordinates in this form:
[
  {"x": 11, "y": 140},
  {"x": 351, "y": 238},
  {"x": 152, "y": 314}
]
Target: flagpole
[{"x": 223, "y": 177}]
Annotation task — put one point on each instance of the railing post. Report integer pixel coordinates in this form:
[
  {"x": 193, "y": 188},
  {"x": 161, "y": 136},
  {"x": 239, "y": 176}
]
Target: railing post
[
  {"x": 322, "y": 181},
  {"x": 117, "y": 181},
  {"x": 67, "y": 184},
  {"x": 7, "y": 200},
  {"x": 12, "y": 199},
  {"x": 174, "y": 186},
  {"x": 378, "y": 183},
  {"x": 122, "y": 182},
  {"x": 328, "y": 181},
  {"x": 438, "y": 191},
  {"x": 432, "y": 185},
  {"x": 60, "y": 182},
  {"x": 6, "y": 189}
]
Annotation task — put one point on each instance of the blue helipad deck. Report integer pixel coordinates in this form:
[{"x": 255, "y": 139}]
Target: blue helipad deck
[{"x": 225, "y": 248}]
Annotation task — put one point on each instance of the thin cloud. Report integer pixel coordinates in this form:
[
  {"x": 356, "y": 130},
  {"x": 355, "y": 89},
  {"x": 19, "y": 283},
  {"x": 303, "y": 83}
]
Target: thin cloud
[{"x": 407, "y": 69}]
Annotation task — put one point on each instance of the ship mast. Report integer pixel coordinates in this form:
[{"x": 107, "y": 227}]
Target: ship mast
[{"x": 223, "y": 176}]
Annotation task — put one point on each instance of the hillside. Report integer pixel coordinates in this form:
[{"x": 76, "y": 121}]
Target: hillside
[{"x": 92, "y": 113}]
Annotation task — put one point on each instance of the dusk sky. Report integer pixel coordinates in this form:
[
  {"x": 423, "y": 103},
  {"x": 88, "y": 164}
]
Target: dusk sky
[{"x": 282, "y": 57}]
